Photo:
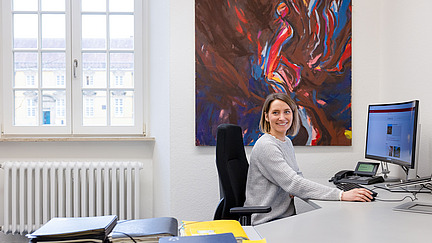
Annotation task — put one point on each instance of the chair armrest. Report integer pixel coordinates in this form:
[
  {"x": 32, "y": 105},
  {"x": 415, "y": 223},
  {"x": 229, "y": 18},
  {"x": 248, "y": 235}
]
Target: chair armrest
[
  {"x": 246, "y": 212},
  {"x": 250, "y": 210}
]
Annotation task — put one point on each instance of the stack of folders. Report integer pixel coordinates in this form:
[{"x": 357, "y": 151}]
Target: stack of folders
[
  {"x": 216, "y": 238},
  {"x": 80, "y": 229},
  {"x": 144, "y": 230},
  {"x": 194, "y": 228}
]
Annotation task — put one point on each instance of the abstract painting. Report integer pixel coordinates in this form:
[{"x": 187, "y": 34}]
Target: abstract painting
[{"x": 247, "y": 49}]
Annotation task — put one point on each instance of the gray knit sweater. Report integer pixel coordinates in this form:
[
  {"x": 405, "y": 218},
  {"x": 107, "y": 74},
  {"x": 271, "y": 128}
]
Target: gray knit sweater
[{"x": 274, "y": 175}]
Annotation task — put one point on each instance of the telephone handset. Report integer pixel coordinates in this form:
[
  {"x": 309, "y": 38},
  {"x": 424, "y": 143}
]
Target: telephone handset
[{"x": 341, "y": 174}]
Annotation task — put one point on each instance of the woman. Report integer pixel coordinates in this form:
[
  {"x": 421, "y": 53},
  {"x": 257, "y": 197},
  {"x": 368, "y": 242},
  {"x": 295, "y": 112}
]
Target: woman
[{"x": 274, "y": 177}]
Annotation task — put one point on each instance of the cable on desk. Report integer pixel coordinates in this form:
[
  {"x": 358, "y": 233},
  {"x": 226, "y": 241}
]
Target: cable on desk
[
  {"x": 400, "y": 200},
  {"x": 428, "y": 186},
  {"x": 126, "y": 235},
  {"x": 124, "y": 232},
  {"x": 395, "y": 200}
]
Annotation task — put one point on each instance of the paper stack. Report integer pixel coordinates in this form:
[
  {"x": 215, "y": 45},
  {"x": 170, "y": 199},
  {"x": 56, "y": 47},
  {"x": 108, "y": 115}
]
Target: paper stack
[{"x": 80, "y": 229}]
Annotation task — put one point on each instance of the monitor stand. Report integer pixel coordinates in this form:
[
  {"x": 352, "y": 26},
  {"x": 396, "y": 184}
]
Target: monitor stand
[{"x": 385, "y": 171}]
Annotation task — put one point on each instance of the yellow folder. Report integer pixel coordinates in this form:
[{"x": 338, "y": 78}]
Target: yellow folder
[
  {"x": 189, "y": 228},
  {"x": 255, "y": 241}
]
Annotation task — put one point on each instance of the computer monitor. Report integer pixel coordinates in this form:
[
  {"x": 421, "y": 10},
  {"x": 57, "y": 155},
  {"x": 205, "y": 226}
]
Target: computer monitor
[{"x": 391, "y": 135}]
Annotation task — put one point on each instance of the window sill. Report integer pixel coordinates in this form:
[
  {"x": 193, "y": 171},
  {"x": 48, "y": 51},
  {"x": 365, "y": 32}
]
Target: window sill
[{"x": 74, "y": 138}]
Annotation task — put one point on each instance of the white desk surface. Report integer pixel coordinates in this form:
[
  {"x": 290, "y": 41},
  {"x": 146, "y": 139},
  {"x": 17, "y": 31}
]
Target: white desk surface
[{"x": 337, "y": 221}]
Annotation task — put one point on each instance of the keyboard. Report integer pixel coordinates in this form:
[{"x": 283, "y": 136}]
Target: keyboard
[{"x": 350, "y": 186}]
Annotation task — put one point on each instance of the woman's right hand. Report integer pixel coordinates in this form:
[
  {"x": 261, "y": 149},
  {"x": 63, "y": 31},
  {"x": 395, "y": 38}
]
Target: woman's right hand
[{"x": 358, "y": 194}]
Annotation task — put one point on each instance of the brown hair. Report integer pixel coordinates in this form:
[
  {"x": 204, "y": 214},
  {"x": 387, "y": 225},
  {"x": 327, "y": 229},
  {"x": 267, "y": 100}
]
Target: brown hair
[{"x": 264, "y": 125}]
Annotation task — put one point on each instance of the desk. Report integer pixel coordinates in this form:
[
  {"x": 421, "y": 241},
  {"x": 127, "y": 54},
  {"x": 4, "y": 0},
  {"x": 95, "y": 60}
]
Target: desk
[{"x": 336, "y": 221}]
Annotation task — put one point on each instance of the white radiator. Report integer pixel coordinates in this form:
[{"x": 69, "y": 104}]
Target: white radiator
[{"x": 34, "y": 192}]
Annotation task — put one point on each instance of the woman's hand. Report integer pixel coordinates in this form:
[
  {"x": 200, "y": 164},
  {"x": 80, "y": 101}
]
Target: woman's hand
[{"x": 358, "y": 194}]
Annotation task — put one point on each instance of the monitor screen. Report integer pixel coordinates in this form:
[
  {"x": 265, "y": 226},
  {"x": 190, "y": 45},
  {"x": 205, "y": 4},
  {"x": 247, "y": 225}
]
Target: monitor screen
[{"x": 392, "y": 132}]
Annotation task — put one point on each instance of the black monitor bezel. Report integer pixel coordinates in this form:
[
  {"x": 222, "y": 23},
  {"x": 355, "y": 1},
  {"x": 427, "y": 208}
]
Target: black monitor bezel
[{"x": 414, "y": 144}]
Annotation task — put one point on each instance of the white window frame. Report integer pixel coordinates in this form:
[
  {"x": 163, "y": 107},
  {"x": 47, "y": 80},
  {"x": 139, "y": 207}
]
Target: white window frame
[{"x": 74, "y": 111}]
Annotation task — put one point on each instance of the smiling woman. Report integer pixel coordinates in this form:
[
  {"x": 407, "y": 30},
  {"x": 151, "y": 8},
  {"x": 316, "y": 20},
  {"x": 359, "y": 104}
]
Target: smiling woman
[
  {"x": 274, "y": 105},
  {"x": 274, "y": 177},
  {"x": 280, "y": 118}
]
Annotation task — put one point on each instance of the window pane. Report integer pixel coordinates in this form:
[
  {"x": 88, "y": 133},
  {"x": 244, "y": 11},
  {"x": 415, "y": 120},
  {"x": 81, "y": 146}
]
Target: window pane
[
  {"x": 53, "y": 69},
  {"x": 122, "y": 108},
  {"x": 121, "y": 6},
  {"x": 53, "y": 5},
  {"x": 53, "y": 108},
  {"x": 121, "y": 32},
  {"x": 25, "y": 70},
  {"x": 25, "y": 5},
  {"x": 94, "y": 70},
  {"x": 94, "y": 31},
  {"x": 53, "y": 31},
  {"x": 121, "y": 70},
  {"x": 94, "y": 108},
  {"x": 93, "y": 5},
  {"x": 25, "y": 30},
  {"x": 26, "y": 108}
]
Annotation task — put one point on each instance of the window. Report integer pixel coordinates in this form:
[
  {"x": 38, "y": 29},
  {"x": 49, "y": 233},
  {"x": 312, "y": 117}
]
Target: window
[
  {"x": 89, "y": 80},
  {"x": 60, "y": 107},
  {"x": 118, "y": 80},
  {"x": 118, "y": 103},
  {"x": 30, "y": 80},
  {"x": 89, "y": 107},
  {"x": 60, "y": 80},
  {"x": 31, "y": 107},
  {"x": 70, "y": 67}
]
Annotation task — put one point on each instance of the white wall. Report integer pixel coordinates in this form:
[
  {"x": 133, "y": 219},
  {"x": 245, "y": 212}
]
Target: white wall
[
  {"x": 377, "y": 46},
  {"x": 406, "y": 64},
  {"x": 390, "y": 63},
  {"x": 159, "y": 124}
]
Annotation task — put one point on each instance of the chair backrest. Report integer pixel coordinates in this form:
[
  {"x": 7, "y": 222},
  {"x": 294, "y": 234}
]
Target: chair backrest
[{"x": 232, "y": 167}]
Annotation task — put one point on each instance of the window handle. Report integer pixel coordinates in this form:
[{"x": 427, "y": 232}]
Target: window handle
[{"x": 75, "y": 66}]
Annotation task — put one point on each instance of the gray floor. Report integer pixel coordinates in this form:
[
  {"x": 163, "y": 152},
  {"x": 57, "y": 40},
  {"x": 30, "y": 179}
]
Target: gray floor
[{"x": 9, "y": 238}]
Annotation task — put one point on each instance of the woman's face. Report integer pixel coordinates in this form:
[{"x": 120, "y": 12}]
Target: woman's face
[{"x": 280, "y": 117}]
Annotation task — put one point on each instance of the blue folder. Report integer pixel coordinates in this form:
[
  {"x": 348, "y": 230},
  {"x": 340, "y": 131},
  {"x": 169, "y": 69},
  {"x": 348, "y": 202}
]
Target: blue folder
[{"x": 215, "y": 238}]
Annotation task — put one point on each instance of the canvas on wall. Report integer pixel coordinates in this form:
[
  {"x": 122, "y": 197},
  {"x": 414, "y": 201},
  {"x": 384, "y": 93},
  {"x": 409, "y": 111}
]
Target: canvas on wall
[{"x": 247, "y": 49}]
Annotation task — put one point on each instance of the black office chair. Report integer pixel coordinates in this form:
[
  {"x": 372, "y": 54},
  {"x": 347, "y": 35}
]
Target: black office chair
[{"x": 232, "y": 166}]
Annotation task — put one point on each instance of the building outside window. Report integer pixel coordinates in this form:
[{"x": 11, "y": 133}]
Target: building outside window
[
  {"x": 89, "y": 107},
  {"x": 31, "y": 107},
  {"x": 60, "y": 80},
  {"x": 118, "y": 103},
  {"x": 30, "y": 80}
]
